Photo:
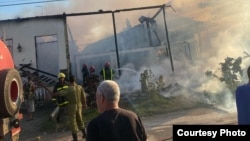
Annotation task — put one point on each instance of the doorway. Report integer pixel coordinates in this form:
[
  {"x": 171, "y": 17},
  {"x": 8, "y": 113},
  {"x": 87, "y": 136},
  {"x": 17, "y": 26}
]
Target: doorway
[{"x": 47, "y": 53}]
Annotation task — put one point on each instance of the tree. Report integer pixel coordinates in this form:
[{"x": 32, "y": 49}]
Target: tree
[
  {"x": 230, "y": 70},
  {"x": 150, "y": 83}
]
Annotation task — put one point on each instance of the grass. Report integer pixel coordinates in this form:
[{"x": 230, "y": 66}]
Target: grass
[
  {"x": 51, "y": 125},
  {"x": 155, "y": 104},
  {"x": 149, "y": 104},
  {"x": 89, "y": 114}
]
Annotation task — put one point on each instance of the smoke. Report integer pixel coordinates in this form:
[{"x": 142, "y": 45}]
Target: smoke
[
  {"x": 86, "y": 29},
  {"x": 227, "y": 37},
  {"x": 89, "y": 29},
  {"x": 95, "y": 5},
  {"x": 129, "y": 81}
]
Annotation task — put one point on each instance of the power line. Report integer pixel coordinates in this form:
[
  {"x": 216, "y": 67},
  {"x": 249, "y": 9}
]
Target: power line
[
  {"x": 3, "y": 5},
  {"x": 15, "y": 1}
]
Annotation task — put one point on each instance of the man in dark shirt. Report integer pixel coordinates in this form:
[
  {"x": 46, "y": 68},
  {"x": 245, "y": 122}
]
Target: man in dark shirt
[
  {"x": 242, "y": 97},
  {"x": 114, "y": 123}
]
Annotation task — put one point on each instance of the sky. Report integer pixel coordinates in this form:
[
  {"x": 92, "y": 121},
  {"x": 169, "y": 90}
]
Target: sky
[
  {"x": 10, "y": 9},
  {"x": 204, "y": 10}
]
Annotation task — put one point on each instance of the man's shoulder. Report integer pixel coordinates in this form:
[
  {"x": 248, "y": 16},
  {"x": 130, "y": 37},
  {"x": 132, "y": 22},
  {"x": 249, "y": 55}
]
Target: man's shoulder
[
  {"x": 128, "y": 112},
  {"x": 96, "y": 119},
  {"x": 60, "y": 85},
  {"x": 79, "y": 86},
  {"x": 243, "y": 86}
]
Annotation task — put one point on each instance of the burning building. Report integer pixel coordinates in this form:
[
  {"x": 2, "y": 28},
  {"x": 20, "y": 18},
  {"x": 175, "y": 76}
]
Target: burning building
[{"x": 47, "y": 44}]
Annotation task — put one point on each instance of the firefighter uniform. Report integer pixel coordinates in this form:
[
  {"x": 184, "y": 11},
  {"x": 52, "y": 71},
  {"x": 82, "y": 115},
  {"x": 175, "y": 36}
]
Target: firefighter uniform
[
  {"x": 107, "y": 72},
  {"x": 90, "y": 88},
  {"x": 76, "y": 98},
  {"x": 60, "y": 100}
]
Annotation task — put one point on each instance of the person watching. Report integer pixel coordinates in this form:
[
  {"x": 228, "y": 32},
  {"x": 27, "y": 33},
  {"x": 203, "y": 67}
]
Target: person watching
[
  {"x": 242, "y": 97},
  {"x": 114, "y": 123}
]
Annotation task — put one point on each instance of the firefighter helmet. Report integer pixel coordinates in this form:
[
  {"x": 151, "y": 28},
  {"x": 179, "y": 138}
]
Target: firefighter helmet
[
  {"x": 107, "y": 64},
  {"x": 61, "y": 75},
  {"x": 92, "y": 69}
]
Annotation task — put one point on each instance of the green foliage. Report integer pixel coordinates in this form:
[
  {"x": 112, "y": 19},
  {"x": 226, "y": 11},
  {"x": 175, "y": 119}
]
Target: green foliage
[
  {"x": 209, "y": 73},
  {"x": 157, "y": 104},
  {"x": 149, "y": 82},
  {"x": 89, "y": 114},
  {"x": 52, "y": 126},
  {"x": 160, "y": 83},
  {"x": 230, "y": 70}
]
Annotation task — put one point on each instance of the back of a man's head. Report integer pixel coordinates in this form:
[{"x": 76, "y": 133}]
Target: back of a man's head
[{"x": 110, "y": 89}]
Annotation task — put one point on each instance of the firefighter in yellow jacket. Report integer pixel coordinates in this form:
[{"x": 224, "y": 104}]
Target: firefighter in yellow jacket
[
  {"x": 60, "y": 100},
  {"x": 107, "y": 72},
  {"x": 76, "y": 98}
]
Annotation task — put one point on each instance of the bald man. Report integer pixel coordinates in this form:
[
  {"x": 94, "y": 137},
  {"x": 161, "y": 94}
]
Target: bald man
[{"x": 114, "y": 123}]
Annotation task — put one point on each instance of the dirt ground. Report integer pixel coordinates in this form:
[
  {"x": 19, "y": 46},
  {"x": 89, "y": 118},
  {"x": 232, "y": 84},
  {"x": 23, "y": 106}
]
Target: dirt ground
[{"x": 158, "y": 127}]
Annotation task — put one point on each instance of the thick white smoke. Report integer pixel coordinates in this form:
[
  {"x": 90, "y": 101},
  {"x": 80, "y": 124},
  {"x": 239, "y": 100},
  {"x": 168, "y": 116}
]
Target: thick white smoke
[{"x": 228, "y": 37}]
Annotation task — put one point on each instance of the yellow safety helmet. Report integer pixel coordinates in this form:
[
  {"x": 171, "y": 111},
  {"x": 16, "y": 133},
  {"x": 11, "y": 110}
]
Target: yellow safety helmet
[{"x": 61, "y": 75}]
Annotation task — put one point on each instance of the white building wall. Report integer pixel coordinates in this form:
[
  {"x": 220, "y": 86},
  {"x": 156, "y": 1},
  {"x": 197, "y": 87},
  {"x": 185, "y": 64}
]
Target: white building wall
[{"x": 23, "y": 32}]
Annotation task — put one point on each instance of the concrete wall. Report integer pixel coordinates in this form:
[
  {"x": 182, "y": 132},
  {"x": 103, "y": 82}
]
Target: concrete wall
[{"x": 24, "y": 31}]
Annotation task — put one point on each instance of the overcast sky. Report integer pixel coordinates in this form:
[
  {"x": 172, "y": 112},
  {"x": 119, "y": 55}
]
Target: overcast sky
[{"x": 207, "y": 10}]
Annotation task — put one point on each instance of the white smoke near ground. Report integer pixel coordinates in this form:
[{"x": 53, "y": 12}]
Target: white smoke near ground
[
  {"x": 129, "y": 81},
  {"x": 225, "y": 44}
]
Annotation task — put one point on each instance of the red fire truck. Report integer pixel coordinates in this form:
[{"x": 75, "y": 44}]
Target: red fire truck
[{"x": 11, "y": 96}]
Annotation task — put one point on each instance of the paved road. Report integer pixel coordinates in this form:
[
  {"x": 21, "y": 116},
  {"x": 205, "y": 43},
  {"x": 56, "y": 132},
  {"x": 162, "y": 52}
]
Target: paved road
[{"x": 159, "y": 128}]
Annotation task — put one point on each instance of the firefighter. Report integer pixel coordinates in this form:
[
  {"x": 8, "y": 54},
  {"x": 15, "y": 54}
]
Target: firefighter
[
  {"x": 92, "y": 83},
  {"x": 107, "y": 72},
  {"x": 60, "y": 100},
  {"x": 92, "y": 78},
  {"x": 77, "y": 102},
  {"x": 85, "y": 73}
]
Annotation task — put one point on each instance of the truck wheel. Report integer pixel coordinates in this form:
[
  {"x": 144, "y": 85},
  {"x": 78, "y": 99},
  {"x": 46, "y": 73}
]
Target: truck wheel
[{"x": 11, "y": 92}]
